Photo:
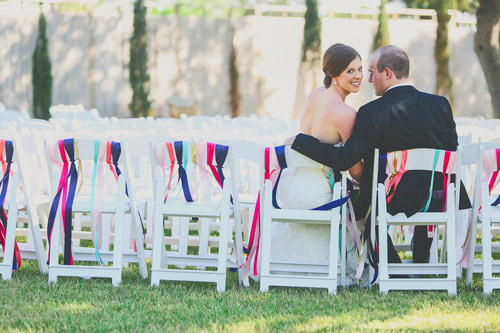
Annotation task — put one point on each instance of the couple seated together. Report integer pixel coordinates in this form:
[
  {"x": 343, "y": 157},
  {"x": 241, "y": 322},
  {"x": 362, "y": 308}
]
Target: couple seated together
[{"x": 340, "y": 138}]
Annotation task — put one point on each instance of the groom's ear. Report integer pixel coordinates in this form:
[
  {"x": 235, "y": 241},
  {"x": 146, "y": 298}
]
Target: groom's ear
[{"x": 388, "y": 73}]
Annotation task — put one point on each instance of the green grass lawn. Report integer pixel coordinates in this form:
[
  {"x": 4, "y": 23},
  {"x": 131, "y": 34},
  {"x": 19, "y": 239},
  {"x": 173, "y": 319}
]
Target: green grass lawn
[{"x": 28, "y": 303}]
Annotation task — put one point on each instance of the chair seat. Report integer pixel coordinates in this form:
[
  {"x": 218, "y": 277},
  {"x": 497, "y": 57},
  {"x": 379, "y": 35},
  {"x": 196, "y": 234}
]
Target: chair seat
[
  {"x": 303, "y": 216},
  {"x": 494, "y": 213},
  {"x": 106, "y": 206},
  {"x": 421, "y": 269},
  {"x": 197, "y": 209},
  {"x": 40, "y": 199},
  {"x": 248, "y": 198},
  {"x": 418, "y": 219}
]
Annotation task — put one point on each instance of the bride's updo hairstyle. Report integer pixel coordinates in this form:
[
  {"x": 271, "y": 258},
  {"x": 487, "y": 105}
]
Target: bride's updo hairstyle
[{"x": 336, "y": 58}]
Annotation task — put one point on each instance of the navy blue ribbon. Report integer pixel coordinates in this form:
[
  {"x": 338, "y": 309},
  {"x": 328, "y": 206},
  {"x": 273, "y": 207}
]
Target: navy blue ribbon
[
  {"x": 73, "y": 177},
  {"x": 116, "y": 151},
  {"x": 382, "y": 163},
  {"x": 178, "y": 147},
  {"x": 372, "y": 253},
  {"x": 280, "y": 155},
  {"x": 220, "y": 158},
  {"x": 69, "y": 146},
  {"x": 4, "y": 184},
  {"x": 373, "y": 259}
]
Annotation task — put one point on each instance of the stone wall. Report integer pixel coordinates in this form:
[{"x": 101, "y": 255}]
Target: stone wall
[{"x": 90, "y": 55}]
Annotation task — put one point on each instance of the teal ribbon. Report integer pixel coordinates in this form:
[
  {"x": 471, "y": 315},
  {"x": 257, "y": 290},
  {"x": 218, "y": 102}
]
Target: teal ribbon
[
  {"x": 92, "y": 194},
  {"x": 436, "y": 158}
]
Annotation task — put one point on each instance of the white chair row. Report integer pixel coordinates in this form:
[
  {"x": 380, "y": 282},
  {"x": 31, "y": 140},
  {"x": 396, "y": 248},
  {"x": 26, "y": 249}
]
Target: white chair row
[
  {"x": 486, "y": 211},
  {"x": 87, "y": 184},
  {"x": 208, "y": 228},
  {"x": 436, "y": 275}
]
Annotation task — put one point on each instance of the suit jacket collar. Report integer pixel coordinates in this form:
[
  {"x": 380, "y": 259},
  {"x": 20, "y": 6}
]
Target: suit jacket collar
[{"x": 400, "y": 89}]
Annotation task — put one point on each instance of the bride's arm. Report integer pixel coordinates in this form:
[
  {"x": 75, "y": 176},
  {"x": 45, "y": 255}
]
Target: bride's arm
[{"x": 345, "y": 124}]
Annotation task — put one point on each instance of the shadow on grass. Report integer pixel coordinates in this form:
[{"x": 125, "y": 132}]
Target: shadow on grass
[{"x": 29, "y": 303}]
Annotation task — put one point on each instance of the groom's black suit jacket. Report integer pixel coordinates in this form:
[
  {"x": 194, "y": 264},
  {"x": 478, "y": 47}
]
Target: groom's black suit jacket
[{"x": 403, "y": 118}]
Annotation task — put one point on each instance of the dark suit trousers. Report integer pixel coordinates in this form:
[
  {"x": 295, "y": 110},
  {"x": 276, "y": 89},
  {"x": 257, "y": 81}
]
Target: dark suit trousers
[{"x": 421, "y": 243}]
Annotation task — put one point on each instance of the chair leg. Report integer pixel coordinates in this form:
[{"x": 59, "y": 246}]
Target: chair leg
[
  {"x": 36, "y": 235},
  {"x": 139, "y": 242},
  {"x": 10, "y": 237},
  {"x": 486, "y": 240},
  {"x": 54, "y": 248}
]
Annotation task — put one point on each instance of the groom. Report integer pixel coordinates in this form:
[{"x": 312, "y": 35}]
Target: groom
[{"x": 402, "y": 118}]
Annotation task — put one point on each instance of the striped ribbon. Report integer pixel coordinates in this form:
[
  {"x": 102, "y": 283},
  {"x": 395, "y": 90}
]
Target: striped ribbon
[{"x": 8, "y": 147}]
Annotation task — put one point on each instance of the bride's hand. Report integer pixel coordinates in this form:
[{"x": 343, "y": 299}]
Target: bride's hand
[{"x": 289, "y": 141}]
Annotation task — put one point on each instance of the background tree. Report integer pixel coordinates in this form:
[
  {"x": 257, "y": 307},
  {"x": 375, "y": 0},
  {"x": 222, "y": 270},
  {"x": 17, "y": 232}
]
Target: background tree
[
  {"x": 444, "y": 82},
  {"x": 234, "y": 89},
  {"x": 140, "y": 106},
  {"x": 487, "y": 47},
  {"x": 382, "y": 36},
  {"x": 41, "y": 77},
  {"x": 311, "y": 45}
]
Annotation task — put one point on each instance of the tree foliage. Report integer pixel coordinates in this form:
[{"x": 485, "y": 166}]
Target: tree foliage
[
  {"x": 41, "y": 73},
  {"x": 140, "y": 106},
  {"x": 311, "y": 45},
  {"x": 487, "y": 47},
  {"x": 444, "y": 82},
  {"x": 234, "y": 89},
  {"x": 382, "y": 36}
]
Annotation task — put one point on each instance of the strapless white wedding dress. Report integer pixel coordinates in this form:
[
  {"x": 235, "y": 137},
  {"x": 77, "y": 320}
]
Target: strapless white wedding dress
[{"x": 306, "y": 188}]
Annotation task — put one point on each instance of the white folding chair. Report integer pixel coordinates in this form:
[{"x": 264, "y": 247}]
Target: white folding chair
[
  {"x": 248, "y": 178},
  {"x": 104, "y": 191},
  {"x": 483, "y": 212},
  {"x": 293, "y": 273},
  {"x": 141, "y": 173},
  {"x": 470, "y": 152},
  {"x": 194, "y": 162},
  {"x": 430, "y": 160},
  {"x": 33, "y": 198},
  {"x": 477, "y": 133},
  {"x": 8, "y": 194}
]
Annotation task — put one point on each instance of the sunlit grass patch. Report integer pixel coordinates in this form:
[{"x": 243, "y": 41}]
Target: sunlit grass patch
[{"x": 29, "y": 303}]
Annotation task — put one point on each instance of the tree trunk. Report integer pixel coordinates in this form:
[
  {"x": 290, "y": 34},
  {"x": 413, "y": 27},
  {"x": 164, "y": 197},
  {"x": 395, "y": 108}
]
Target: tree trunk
[
  {"x": 486, "y": 45},
  {"x": 444, "y": 82}
]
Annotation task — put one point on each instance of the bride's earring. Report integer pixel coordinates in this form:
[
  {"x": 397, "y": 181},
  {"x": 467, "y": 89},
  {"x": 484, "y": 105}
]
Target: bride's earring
[{"x": 334, "y": 82}]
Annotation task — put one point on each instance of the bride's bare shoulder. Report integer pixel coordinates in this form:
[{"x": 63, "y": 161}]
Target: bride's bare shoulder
[{"x": 338, "y": 109}]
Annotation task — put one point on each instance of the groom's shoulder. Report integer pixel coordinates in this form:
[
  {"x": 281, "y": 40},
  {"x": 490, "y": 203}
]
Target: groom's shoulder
[
  {"x": 372, "y": 106},
  {"x": 439, "y": 100}
]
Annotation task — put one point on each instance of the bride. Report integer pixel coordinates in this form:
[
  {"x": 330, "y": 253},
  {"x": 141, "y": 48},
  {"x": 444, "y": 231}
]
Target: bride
[{"x": 327, "y": 117}]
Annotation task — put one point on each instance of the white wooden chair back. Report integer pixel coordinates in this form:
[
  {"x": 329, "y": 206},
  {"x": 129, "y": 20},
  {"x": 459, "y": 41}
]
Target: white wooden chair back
[
  {"x": 304, "y": 274},
  {"x": 482, "y": 211},
  {"x": 428, "y": 160},
  {"x": 207, "y": 206},
  {"x": 103, "y": 189},
  {"x": 29, "y": 198}
]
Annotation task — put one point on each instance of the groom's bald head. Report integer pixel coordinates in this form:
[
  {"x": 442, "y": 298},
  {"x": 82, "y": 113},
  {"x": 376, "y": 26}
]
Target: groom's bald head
[{"x": 394, "y": 58}]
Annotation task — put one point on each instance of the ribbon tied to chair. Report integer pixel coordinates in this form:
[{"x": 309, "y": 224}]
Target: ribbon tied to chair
[
  {"x": 65, "y": 153},
  {"x": 254, "y": 240},
  {"x": 395, "y": 168},
  {"x": 491, "y": 170},
  {"x": 178, "y": 151},
  {"x": 65, "y": 194},
  {"x": 8, "y": 148}
]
